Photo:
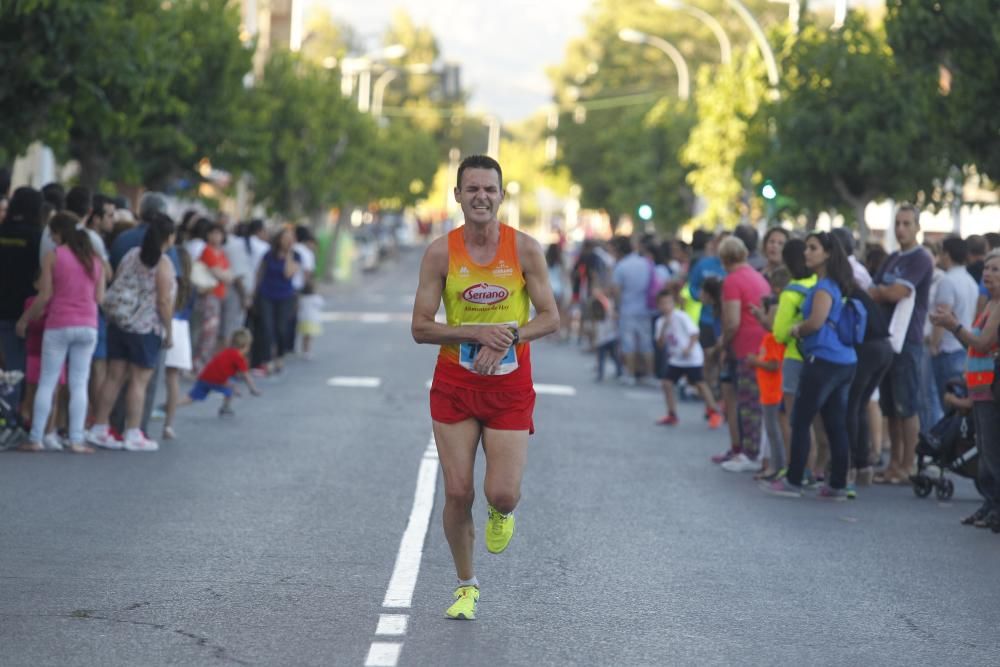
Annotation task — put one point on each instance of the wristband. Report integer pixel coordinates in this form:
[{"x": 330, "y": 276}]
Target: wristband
[
  {"x": 517, "y": 335},
  {"x": 956, "y": 330}
]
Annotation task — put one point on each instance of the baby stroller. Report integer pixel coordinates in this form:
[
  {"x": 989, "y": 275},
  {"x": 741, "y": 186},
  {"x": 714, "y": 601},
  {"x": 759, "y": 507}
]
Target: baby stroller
[
  {"x": 12, "y": 431},
  {"x": 950, "y": 445}
]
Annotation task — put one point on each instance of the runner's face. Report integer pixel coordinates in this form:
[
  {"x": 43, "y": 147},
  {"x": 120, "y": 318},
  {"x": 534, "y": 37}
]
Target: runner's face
[{"x": 480, "y": 195}]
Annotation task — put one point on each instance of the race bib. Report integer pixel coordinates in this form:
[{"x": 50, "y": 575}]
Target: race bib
[{"x": 467, "y": 352}]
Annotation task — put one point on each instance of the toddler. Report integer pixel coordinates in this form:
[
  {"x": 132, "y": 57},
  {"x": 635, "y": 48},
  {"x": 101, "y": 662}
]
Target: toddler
[
  {"x": 310, "y": 311},
  {"x": 216, "y": 374},
  {"x": 677, "y": 335}
]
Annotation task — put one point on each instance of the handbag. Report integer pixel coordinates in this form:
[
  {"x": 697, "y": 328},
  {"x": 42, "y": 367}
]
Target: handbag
[
  {"x": 201, "y": 276},
  {"x": 122, "y": 300}
]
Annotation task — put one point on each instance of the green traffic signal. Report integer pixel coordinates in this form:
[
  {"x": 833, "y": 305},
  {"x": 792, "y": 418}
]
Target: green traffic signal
[
  {"x": 768, "y": 191},
  {"x": 645, "y": 212}
]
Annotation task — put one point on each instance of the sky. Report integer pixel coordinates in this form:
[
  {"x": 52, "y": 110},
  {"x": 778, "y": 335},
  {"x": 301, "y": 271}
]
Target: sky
[{"x": 504, "y": 46}]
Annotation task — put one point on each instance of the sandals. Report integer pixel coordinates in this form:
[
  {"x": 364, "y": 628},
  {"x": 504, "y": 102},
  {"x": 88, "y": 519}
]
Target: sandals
[
  {"x": 30, "y": 447},
  {"x": 79, "y": 448},
  {"x": 890, "y": 479}
]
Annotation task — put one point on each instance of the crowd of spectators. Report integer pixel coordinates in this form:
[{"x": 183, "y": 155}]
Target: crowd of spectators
[
  {"x": 828, "y": 363},
  {"x": 100, "y": 305}
]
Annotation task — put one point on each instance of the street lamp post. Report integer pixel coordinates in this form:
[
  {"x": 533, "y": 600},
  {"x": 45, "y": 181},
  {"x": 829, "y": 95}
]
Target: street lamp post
[
  {"x": 725, "y": 46},
  {"x": 383, "y": 81},
  {"x": 363, "y": 67},
  {"x": 762, "y": 44},
  {"x": 683, "y": 76}
]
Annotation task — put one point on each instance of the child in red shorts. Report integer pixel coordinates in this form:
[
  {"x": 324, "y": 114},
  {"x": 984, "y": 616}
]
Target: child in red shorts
[{"x": 217, "y": 373}]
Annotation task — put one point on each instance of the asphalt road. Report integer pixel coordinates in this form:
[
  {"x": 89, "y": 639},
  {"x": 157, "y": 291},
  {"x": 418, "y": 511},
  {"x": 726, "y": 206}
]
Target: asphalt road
[{"x": 271, "y": 538}]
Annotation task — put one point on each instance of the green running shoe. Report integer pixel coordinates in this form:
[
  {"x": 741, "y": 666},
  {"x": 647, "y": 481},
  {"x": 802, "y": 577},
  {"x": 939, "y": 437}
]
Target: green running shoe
[
  {"x": 499, "y": 530},
  {"x": 466, "y": 601}
]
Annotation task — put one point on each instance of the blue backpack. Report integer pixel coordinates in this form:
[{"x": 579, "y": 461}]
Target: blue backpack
[{"x": 852, "y": 323}]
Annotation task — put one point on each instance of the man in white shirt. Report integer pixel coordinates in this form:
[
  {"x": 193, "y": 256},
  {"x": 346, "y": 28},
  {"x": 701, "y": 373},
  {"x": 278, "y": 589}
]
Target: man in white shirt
[{"x": 957, "y": 292}]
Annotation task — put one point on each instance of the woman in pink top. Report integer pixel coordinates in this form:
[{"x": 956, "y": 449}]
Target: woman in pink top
[
  {"x": 71, "y": 286},
  {"x": 741, "y": 337}
]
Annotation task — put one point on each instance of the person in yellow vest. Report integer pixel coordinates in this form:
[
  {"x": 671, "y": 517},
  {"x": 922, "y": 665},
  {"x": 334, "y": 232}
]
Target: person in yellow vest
[{"x": 488, "y": 274}]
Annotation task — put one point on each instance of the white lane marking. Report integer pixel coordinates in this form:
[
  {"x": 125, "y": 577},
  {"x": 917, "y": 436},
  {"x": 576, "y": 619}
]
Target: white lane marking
[
  {"x": 551, "y": 389},
  {"x": 411, "y": 547},
  {"x": 392, "y": 624},
  {"x": 383, "y": 654},
  {"x": 359, "y": 382},
  {"x": 555, "y": 389}
]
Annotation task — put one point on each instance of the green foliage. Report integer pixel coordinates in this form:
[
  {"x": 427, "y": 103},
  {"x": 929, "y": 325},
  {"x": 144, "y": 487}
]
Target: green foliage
[
  {"x": 963, "y": 38},
  {"x": 727, "y": 98},
  {"x": 627, "y": 150},
  {"x": 136, "y": 90},
  {"x": 851, "y": 122},
  {"x": 312, "y": 137}
]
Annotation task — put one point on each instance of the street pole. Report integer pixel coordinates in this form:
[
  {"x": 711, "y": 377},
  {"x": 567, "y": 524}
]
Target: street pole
[
  {"x": 725, "y": 46},
  {"x": 762, "y": 44},
  {"x": 683, "y": 75},
  {"x": 839, "y": 14},
  {"x": 493, "y": 140},
  {"x": 378, "y": 91},
  {"x": 381, "y": 83}
]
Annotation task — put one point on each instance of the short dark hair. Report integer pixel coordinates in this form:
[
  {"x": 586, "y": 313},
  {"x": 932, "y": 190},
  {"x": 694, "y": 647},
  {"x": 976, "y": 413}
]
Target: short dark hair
[
  {"x": 956, "y": 248},
  {"x": 993, "y": 239},
  {"x": 79, "y": 200},
  {"x": 478, "y": 162},
  {"x": 102, "y": 200},
  {"x": 912, "y": 209},
  {"x": 748, "y": 235},
  {"x": 700, "y": 239},
  {"x": 622, "y": 245},
  {"x": 977, "y": 245},
  {"x": 303, "y": 234},
  {"x": 55, "y": 194}
]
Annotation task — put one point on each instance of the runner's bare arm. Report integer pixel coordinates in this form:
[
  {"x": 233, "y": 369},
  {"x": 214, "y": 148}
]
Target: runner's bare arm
[
  {"x": 536, "y": 278},
  {"x": 433, "y": 271}
]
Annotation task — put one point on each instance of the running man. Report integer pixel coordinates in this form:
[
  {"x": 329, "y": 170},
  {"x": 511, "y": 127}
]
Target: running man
[{"x": 486, "y": 273}]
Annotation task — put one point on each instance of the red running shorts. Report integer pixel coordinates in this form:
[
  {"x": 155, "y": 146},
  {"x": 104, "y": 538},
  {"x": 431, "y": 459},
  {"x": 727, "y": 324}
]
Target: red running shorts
[{"x": 499, "y": 410}]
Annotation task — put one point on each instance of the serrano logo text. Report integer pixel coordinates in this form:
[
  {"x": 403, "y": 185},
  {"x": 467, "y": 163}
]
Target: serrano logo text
[{"x": 485, "y": 293}]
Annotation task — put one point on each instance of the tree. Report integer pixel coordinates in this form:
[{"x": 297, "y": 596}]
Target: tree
[
  {"x": 727, "y": 98},
  {"x": 314, "y": 138},
  {"x": 954, "y": 45},
  {"x": 136, "y": 90},
  {"x": 850, "y": 120},
  {"x": 617, "y": 147}
]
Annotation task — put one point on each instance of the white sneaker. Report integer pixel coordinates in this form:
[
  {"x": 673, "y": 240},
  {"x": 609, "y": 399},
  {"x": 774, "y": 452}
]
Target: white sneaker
[
  {"x": 103, "y": 440},
  {"x": 140, "y": 443},
  {"x": 741, "y": 463},
  {"x": 52, "y": 442}
]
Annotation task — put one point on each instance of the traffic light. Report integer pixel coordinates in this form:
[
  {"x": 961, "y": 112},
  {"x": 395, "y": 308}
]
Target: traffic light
[
  {"x": 768, "y": 191},
  {"x": 645, "y": 212}
]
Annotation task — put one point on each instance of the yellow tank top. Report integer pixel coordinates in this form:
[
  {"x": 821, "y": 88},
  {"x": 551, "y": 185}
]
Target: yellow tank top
[{"x": 489, "y": 294}]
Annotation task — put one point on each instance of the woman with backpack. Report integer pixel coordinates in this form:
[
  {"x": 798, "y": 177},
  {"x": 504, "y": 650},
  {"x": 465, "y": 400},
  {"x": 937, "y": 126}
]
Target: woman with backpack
[{"x": 829, "y": 363}]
